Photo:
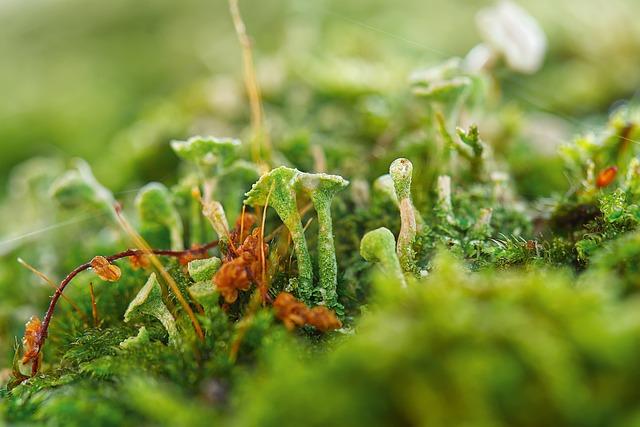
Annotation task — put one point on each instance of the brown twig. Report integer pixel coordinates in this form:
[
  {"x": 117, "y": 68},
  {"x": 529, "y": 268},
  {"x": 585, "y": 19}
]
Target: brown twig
[{"x": 258, "y": 129}]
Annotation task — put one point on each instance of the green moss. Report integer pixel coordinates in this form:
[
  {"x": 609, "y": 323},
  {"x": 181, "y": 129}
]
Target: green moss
[{"x": 495, "y": 307}]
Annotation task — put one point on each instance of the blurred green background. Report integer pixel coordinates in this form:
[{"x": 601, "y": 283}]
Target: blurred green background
[
  {"x": 114, "y": 82},
  {"x": 75, "y": 73}
]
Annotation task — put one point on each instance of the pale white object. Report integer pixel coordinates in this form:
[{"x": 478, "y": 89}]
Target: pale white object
[{"x": 512, "y": 31}]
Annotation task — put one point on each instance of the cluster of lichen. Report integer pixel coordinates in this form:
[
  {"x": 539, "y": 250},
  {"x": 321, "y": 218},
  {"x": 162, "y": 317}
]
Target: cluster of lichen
[{"x": 464, "y": 302}]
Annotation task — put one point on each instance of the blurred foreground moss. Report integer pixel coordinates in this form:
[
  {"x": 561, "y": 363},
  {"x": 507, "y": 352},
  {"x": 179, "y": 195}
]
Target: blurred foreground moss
[
  {"x": 481, "y": 349},
  {"x": 465, "y": 349}
]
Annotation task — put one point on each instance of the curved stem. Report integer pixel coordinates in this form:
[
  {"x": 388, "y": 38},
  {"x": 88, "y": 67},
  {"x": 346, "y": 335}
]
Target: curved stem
[{"x": 42, "y": 335}]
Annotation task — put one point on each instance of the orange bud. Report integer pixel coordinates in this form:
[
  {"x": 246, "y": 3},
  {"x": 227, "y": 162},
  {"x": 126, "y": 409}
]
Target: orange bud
[
  {"x": 105, "y": 270},
  {"x": 607, "y": 176}
]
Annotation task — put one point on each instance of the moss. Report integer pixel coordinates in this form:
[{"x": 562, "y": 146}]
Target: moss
[{"x": 495, "y": 307}]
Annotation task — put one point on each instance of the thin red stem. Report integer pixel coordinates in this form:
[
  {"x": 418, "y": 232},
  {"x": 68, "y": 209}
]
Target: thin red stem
[{"x": 42, "y": 335}]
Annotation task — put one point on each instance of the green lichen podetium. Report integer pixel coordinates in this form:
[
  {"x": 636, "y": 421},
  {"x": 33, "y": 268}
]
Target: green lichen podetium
[
  {"x": 384, "y": 185},
  {"x": 321, "y": 189},
  {"x": 277, "y": 189},
  {"x": 206, "y": 150},
  {"x": 78, "y": 188},
  {"x": 203, "y": 269},
  {"x": 401, "y": 171},
  {"x": 379, "y": 246},
  {"x": 210, "y": 155}
]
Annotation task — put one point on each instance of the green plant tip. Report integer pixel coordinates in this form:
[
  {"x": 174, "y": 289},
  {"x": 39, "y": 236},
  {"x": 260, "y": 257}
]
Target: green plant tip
[
  {"x": 401, "y": 171},
  {"x": 78, "y": 188},
  {"x": 155, "y": 207},
  {"x": 379, "y": 246}
]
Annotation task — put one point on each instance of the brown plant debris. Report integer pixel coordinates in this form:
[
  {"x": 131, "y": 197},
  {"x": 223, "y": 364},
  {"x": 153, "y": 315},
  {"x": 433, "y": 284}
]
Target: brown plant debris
[
  {"x": 295, "y": 313},
  {"x": 242, "y": 229},
  {"x": 238, "y": 273}
]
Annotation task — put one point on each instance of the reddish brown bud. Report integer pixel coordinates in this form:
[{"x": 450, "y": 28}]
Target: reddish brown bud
[
  {"x": 607, "y": 176},
  {"x": 105, "y": 270},
  {"x": 30, "y": 350}
]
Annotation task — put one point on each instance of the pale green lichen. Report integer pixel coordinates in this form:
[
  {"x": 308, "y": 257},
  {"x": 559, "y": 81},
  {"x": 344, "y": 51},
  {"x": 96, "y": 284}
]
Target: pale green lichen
[
  {"x": 445, "y": 85},
  {"x": 203, "y": 269},
  {"x": 155, "y": 209},
  {"x": 78, "y": 188},
  {"x": 321, "y": 189},
  {"x": 277, "y": 187},
  {"x": 216, "y": 215},
  {"x": 444, "y": 207},
  {"x": 383, "y": 185},
  {"x": 511, "y": 32},
  {"x": 209, "y": 150},
  {"x": 211, "y": 156},
  {"x": 140, "y": 340},
  {"x": 379, "y": 246},
  {"x": 206, "y": 293},
  {"x": 401, "y": 171},
  {"x": 149, "y": 302}
]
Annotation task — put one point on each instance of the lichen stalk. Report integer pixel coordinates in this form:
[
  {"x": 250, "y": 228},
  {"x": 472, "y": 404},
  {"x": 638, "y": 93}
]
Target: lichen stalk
[
  {"x": 293, "y": 222},
  {"x": 401, "y": 171},
  {"x": 322, "y": 188},
  {"x": 327, "y": 264}
]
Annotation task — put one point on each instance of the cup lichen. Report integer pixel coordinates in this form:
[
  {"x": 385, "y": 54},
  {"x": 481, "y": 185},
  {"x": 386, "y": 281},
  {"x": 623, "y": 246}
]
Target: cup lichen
[
  {"x": 321, "y": 189},
  {"x": 277, "y": 189}
]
